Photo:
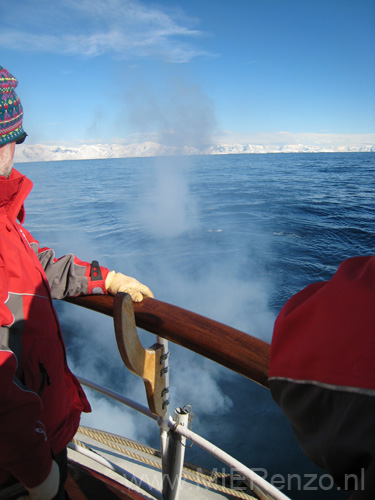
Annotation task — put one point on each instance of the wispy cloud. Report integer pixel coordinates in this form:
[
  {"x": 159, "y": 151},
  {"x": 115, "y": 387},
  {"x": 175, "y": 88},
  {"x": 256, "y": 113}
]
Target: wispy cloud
[{"x": 122, "y": 28}]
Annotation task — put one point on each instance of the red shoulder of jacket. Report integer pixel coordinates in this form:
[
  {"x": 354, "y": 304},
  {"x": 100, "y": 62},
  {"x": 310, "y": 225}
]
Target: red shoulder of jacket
[{"x": 325, "y": 333}]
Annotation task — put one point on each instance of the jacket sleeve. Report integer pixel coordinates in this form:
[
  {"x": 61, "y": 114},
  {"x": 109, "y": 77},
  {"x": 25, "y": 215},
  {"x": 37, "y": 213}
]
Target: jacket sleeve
[
  {"x": 24, "y": 450},
  {"x": 68, "y": 276}
]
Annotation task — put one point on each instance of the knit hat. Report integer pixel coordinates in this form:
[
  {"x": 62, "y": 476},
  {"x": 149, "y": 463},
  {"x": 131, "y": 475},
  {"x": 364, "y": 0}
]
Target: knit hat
[{"x": 10, "y": 110}]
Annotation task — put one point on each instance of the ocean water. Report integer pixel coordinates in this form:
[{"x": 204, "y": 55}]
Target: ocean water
[{"x": 231, "y": 237}]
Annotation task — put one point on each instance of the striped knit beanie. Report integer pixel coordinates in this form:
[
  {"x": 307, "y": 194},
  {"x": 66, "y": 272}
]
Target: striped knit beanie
[{"x": 10, "y": 110}]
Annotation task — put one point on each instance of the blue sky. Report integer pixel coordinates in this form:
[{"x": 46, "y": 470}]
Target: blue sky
[{"x": 249, "y": 71}]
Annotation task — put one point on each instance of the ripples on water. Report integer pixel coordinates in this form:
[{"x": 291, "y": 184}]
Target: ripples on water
[{"x": 231, "y": 237}]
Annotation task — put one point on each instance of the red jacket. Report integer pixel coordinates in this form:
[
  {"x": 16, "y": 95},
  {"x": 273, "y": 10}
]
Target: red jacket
[
  {"x": 322, "y": 373},
  {"x": 40, "y": 399}
]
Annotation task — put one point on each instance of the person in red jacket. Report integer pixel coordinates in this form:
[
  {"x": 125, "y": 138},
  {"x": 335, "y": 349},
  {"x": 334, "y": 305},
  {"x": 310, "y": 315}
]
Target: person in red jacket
[
  {"x": 322, "y": 373},
  {"x": 40, "y": 399}
]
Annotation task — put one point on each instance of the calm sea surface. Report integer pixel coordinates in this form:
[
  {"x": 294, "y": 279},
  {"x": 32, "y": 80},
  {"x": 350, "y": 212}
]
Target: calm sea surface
[{"x": 230, "y": 237}]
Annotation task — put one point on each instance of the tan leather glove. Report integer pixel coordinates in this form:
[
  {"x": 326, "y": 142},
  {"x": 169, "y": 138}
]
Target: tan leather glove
[
  {"x": 118, "y": 282},
  {"x": 47, "y": 489}
]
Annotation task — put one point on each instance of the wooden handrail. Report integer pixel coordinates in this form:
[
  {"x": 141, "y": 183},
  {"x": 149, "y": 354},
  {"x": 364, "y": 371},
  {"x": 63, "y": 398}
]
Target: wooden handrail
[{"x": 229, "y": 347}]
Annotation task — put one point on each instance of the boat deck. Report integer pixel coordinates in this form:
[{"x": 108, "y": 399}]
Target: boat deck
[{"x": 114, "y": 467}]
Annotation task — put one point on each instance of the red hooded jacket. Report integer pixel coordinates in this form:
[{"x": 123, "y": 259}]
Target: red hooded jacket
[
  {"x": 322, "y": 373},
  {"x": 40, "y": 399}
]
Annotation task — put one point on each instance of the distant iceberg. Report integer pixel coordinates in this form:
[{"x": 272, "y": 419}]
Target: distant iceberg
[{"x": 40, "y": 152}]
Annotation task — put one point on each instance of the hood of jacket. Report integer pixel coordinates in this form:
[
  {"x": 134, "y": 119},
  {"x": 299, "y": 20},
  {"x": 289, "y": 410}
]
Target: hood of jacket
[{"x": 13, "y": 192}]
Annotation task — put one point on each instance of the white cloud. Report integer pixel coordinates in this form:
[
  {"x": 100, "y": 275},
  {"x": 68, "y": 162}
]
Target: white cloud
[{"x": 122, "y": 28}]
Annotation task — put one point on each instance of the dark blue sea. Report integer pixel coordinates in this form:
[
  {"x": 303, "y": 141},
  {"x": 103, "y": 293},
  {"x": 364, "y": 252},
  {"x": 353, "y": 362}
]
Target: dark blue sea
[{"x": 230, "y": 237}]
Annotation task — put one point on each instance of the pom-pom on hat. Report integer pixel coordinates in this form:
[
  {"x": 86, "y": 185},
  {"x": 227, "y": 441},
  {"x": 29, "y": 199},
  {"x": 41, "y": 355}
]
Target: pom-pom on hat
[{"x": 11, "y": 112}]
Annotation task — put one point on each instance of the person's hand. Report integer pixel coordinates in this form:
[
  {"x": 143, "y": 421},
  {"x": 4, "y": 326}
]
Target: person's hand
[
  {"x": 47, "y": 489},
  {"x": 118, "y": 282}
]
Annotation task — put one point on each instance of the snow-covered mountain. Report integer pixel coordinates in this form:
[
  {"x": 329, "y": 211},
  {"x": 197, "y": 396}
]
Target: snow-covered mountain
[{"x": 39, "y": 152}]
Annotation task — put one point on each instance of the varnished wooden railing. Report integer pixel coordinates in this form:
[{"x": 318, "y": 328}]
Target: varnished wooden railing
[{"x": 229, "y": 347}]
